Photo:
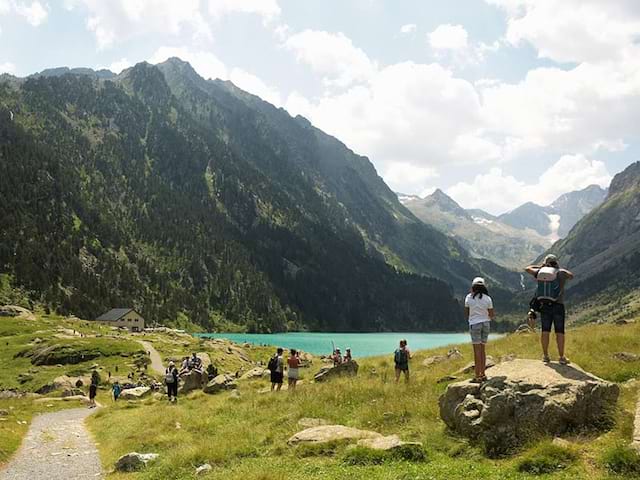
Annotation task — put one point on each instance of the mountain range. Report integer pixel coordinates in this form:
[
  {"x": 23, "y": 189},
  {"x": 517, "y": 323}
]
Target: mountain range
[
  {"x": 198, "y": 203},
  {"x": 513, "y": 239}
]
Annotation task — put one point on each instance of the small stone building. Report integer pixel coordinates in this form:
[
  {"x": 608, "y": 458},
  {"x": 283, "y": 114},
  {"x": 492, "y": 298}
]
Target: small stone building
[{"x": 123, "y": 317}]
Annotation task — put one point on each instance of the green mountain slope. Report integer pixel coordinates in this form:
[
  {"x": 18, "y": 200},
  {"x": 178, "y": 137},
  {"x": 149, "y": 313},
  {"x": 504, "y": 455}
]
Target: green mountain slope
[
  {"x": 481, "y": 235},
  {"x": 192, "y": 199},
  {"x": 603, "y": 249}
]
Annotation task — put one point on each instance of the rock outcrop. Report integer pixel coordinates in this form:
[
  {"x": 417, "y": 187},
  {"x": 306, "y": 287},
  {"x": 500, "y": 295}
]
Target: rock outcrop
[
  {"x": 193, "y": 380},
  {"x": 220, "y": 383},
  {"x": 135, "y": 393},
  {"x": 525, "y": 398},
  {"x": 253, "y": 374},
  {"x": 132, "y": 462},
  {"x": 16, "y": 311},
  {"x": 330, "y": 433},
  {"x": 390, "y": 443},
  {"x": 344, "y": 369}
]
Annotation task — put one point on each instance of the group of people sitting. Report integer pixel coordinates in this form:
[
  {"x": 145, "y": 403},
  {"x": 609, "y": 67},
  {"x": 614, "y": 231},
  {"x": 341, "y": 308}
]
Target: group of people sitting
[
  {"x": 338, "y": 358},
  {"x": 191, "y": 363}
]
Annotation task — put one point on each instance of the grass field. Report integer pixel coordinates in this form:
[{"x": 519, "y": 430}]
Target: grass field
[{"x": 246, "y": 437}]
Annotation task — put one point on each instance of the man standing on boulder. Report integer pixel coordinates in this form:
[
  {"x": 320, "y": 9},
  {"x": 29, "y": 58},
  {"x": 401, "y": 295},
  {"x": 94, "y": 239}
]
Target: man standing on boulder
[{"x": 551, "y": 281}]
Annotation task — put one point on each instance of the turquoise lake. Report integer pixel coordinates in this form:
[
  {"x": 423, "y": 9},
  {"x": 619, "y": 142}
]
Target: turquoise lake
[{"x": 361, "y": 344}]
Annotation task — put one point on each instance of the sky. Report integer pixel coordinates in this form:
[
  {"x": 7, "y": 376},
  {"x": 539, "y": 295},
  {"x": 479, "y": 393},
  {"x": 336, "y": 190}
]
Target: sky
[{"x": 496, "y": 102}]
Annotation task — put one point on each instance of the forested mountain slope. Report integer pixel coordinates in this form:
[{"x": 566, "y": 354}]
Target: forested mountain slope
[
  {"x": 192, "y": 199},
  {"x": 603, "y": 249}
]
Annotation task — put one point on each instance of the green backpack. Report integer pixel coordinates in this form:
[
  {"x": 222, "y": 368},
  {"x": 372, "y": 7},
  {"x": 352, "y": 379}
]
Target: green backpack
[{"x": 400, "y": 357}]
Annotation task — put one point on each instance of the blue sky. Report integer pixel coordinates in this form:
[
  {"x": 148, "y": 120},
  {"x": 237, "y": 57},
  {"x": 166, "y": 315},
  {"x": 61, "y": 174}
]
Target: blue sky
[{"x": 497, "y": 102}]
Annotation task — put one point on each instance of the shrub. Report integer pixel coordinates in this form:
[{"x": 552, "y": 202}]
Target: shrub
[
  {"x": 622, "y": 460},
  {"x": 364, "y": 456},
  {"x": 547, "y": 458}
]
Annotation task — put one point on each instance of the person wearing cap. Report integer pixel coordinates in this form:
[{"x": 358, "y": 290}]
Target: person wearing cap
[
  {"x": 551, "y": 281},
  {"x": 171, "y": 381},
  {"x": 337, "y": 357},
  {"x": 347, "y": 356},
  {"x": 478, "y": 308}
]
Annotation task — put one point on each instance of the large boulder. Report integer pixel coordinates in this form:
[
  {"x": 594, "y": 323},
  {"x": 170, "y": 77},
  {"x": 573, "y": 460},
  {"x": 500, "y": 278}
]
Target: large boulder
[
  {"x": 193, "y": 380},
  {"x": 132, "y": 462},
  {"x": 253, "y": 374},
  {"x": 344, "y": 369},
  {"x": 16, "y": 311},
  {"x": 220, "y": 383},
  {"x": 330, "y": 433},
  {"x": 526, "y": 398},
  {"x": 135, "y": 393},
  {"x": 64, "y": 383},
  {"x": 469, "y": 367},
  {"x": 390, "y": 443}
]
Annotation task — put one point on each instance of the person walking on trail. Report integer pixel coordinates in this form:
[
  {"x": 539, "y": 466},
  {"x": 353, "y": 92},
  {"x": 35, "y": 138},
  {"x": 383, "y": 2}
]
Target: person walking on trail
[
  {"x": 293, "y": 372},
  {"x": 276, "y": 367},
  {"x": 401, "y": 359},
  {"x": 478, "y": 309},
  {"x": 551, "y": 280},
  {"x": 117, "y": 390},
  {"x": 93, "y": 392},
  {"x": 171, "y": 381}
]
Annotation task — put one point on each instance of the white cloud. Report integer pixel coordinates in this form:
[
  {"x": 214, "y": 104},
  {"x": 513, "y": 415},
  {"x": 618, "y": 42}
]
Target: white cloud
[
  {"x": 119, "y": 65},
  {"x": 496, "y": 192},
  {"x": 34, "y": 13},
  {"x": 401, "y": 175},
  {"x": 573, "y": 30},
  {"x": 333, "y": 56},
  {"x": 7, "y": 67},
  {"x": 449, "y": 37},
  {"x": 268, "y": 9},
  {"x": 211, "y": 67},
  {"x": 408, "y": 29}
]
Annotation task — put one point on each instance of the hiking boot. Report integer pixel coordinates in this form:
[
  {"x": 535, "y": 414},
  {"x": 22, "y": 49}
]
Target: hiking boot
[
  {"x": 546, "y": 359},
  {"x": 564, "y": 361}
]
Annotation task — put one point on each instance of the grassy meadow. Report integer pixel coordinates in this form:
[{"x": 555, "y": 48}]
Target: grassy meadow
[{"x": 246, "y": 436}]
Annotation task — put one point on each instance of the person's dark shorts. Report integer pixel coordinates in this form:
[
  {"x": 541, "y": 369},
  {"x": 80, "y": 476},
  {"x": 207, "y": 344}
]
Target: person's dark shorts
[
  {"x": 277, "y": 377},
  {"x": 403, "y": 367},
  {"x": 93, "y": 390},
  {"x": 552, "y": 314}
]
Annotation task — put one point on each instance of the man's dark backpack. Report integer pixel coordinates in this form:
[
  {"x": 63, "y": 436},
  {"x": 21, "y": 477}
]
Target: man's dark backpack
[
  {"x": 273, "y": 363},
  {"x": 400, "y": 357}
]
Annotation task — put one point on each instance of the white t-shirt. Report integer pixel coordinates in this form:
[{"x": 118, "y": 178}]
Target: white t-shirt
[{"x": 478, "y": 308}]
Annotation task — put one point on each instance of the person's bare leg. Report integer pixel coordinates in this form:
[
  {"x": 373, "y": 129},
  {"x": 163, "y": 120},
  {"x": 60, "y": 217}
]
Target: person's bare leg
[
  {"x": 560, "y": 342},
  {"x": 398, "y": 372},
  {"x": 406, "y": 376},
  {"x": 544, "y": 341},
  {"x": 483, "y": 362},
  {"x": 477, "y": 359}
]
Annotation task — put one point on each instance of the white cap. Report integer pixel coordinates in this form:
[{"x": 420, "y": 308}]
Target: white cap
[{"x": 478, "y": 281}]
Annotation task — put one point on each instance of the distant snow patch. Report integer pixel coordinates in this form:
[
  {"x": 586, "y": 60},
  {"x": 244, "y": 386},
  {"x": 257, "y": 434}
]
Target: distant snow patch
[
  {"x": 554, "y": 225},
  {"x": 482, "y": 221}
]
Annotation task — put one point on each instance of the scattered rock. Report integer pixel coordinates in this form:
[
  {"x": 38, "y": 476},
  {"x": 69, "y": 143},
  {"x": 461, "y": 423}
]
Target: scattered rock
[
  {"x": 469, "y": 367},
  {"x": 388, "y": 443},
  {"x": 202, "y": 469},
  {"x": 344, "y": 369},
  {"x": 561, "y": 442},
  {"x": 626, "y": 357},
  {"x": 24, "y": 378},
  {"x": 446, "y": 378},
  {"x": 220, "y": 383},
  {"x": 132, "y": 462},
  {"x": 16, "y": 311},
  {"x": 4, "y": 413},
  {"x": 135, "y": 393},
  {"x": 311, "y": 422},
  {"x": 329, "y": 433},
  {"x": 454, "y": 354},
  {"x": 253, "y": 374},
  {"x": 621, "y": 321},
  {"x": 63, "y": 383},
  {"x": 524, "y": 328},
  {"x": 433, "y": 360},
  {"x": 523, "y": 398}
]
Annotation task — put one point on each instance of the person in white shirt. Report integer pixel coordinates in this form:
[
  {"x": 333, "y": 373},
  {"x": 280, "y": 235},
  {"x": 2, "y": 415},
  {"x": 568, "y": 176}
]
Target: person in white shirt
[{"x": 478, "y": 308}]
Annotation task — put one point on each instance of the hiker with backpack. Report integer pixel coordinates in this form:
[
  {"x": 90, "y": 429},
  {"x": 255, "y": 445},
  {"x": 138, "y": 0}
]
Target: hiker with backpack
[
  {"x": 478, "y": 308},
  {"x": 401, "y": 359},
  {"x": 276, "y": 367},
  {"x": 549, "y": 301},
  {"x": 171, "y": 381}
]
